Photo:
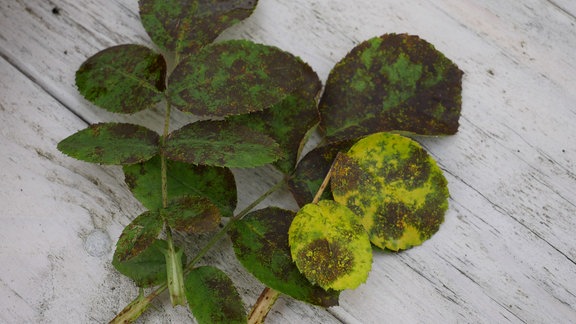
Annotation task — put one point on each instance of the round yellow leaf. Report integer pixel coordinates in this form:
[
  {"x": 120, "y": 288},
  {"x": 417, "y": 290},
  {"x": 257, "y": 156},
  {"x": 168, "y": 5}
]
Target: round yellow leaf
[
  {"x": 330, "y": 246},
  {"x": 395, "y": 187}
]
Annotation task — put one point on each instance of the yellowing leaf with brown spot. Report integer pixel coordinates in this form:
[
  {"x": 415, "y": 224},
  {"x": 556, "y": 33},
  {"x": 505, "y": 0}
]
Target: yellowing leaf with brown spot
[
  {"x": 330, "y": 246},
  {"x": 394, "y": 186}
]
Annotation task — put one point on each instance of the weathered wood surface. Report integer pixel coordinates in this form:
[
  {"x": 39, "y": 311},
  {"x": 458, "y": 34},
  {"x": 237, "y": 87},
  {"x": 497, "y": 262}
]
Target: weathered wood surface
[{"x": 506, "y": 253}]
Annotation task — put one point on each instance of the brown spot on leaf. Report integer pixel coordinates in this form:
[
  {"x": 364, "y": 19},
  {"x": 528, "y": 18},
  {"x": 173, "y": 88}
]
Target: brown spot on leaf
[
  {"x": 193, "y": 214},
  {"x": 325, "y": 262},
  {"x": 393, "y": 82}
]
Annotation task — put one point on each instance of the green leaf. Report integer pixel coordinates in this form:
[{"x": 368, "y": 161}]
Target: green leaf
[
  {"x": 215, "y": 183},
  {"x": 260, "y": 242},
  {"x": 138, "y": 235},
  {"x": 213, "y": 298},
  {"x": 192, "y": 214},
  {"x": 112, "y": 143},
  {"x": 123, "y": 79},
  {"x": 148, "y": 268},
  {"x": 311, "y": 171},
  {"x": 234, "y": 77},
  {"x": 395, "y": 82},
  {"x": 330, "y": 246},
  {"x": 395, "y": 187},
  {"x": 184, "y": 26},
  {"x": 220, "y": 143}
]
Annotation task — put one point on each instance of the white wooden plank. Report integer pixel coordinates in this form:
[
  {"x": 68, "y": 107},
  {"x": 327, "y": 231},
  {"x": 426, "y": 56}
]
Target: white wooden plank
[
  {"x": 49, "y": 47},
  {"x": 51, "y": 206},
  {"x": 533, "y": 33},
  {"x": 568, "y": 6},
  {"x": 506, "y": 251}
]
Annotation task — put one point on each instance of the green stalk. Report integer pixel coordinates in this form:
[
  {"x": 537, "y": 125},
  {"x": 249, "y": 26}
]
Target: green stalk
[
  {"x": 163, "y": 165},
  {"x": 228, "y": 225},
  {"x": 174, "y": 271},
  {"x": 138, "y": 306}
]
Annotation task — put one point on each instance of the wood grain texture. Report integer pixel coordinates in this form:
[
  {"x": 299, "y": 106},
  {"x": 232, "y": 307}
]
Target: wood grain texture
[{"x": 506, "y": 252}]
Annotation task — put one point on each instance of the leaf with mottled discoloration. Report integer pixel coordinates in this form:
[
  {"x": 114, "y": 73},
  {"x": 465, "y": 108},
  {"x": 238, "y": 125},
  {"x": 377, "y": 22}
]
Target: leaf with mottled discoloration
[
  {"x": 288, "y": 123},
  {"x": 234, "y": 77},
  {"x": 123, "y": 79},
  {"x": 148, "y": 268},
  {"x": 311, "y": 170},
  {"x": 192, "y": 214},
  {"x": 261, "y": 244},
  {"x": 138, "y": 235},
  {"x": 395, "y": 82},
  {"x": 220, "y": 143},
  {"x": 395, "y": 187},
  {"x": 112, "y": 143},
  {"x": 215, "y": 183},
  {"x": 184, "y": 26},
  {"x": 212, "y": 297},
  {"x": 330, "y": 246}
]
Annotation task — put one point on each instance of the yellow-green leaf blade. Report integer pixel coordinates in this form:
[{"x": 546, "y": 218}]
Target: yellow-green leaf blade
[
  {"x": 260, "y": 242},
  {"x": 138, "y": 235},
  {"x": 223, "y": 144},
  {"x": 148, "y": 268},
  {"x": 192, "y": 214},
  {"x": 330, "y": 246},
  {"x": 184, "y": 26},
  {"x": 290, "y": 121},
  {"x": 123, "y": 79},
  {"x": 112, "y": 143},
  {"x": 212, "y": 297},
  {"x": 234, "y": 77},
  {"x": 215, "y": 183},
  {"x": 396, "y": 188}
]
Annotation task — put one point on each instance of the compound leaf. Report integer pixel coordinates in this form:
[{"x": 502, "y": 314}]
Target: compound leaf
[
  {"x": 260, "y": 242},
  {"x": 395, "y": 82},
  {"x": 215, "y": 183},
  {"x": 184, "y": 26},
  {"x": 123, "y": 79},
  {"x": 148, "y": 268},
  {"x": 395, "y": 187},
  {"x": 112, "y": 143},
  {"x": 234, "y": 77},
  {"x": 330, "y": 246},
  {"x": 212, "y": 297},
  {"x": 138, "y": 235},
  {"x": 221, "y": 143},
  {"x": 192, "y": 214}
]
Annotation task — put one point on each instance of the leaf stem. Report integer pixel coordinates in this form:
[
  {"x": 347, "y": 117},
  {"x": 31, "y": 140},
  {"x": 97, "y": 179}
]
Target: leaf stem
[
  {"x": 323, "y": 185},
  {"x": 163, "y": 164},
  {"x": 269, "y": 296},
  {"x": 138, "y": 306},
  {"x": 174, "y": 271},
  {"x": 133, "y": 310},
  {"x": 228, "y": 225},
  {"x": 263, "y": 306}
]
